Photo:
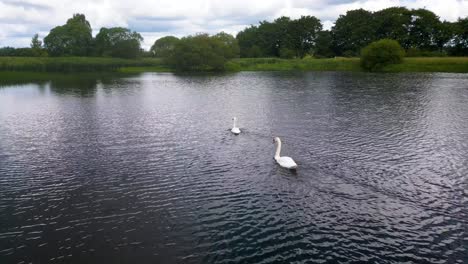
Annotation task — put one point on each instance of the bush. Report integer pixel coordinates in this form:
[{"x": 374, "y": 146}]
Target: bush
[
  {"x": 286, "y": 53},
  {"x": 199, "y": 53},
  {"x": 381, "y": 53}
]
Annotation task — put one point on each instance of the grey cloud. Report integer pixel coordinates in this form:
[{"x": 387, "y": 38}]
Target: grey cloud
[{"x": 27, "y": 5}]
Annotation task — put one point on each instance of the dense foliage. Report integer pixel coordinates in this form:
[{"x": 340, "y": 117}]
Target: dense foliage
[
  {"x": 117, "y": 42},
  {"x": 203, "y": 52},
  {"x": 281, "y": 38},
  {"x": 417, "y": 30},
  {"x": 381, "y": 53},
  {"x": 72, "y": 39},
  {"x": 163, "y": 47}
]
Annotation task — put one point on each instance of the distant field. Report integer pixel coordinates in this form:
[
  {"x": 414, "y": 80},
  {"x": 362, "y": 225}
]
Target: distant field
[{"x": 92, "y": 64}]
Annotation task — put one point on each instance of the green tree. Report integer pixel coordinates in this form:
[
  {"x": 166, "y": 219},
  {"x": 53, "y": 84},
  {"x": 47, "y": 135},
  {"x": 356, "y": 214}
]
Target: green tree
[
  {"x": 423, "y": 30},
  {"x": 249, "y": 43},
  {"x": 35, "y": 42},
  {"x": 393, "y": 23},
  {"x": 230, "y": 44},
  {"x": 323, "y": 45},
  {"x": 117, "y": 42},
  {"x": 198, "y": 53},
  {"x": 353, "y": 31},
  {"x": 36, "y": 47},
  {"x": 163, "y": 47},
  {"x": 460, "y": 38},
  {"x": 381, "y": 53},
  {"x": 72, "y": 39},
  {"x": 303, "y": 34}
]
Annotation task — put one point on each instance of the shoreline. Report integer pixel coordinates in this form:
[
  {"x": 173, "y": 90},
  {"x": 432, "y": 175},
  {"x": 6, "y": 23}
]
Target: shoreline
[{"x": 92, "y": 64}]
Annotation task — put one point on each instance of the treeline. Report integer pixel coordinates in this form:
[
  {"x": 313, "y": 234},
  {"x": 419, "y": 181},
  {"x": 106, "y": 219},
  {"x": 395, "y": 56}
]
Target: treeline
[
  {"x": 419, "y": 31},
  {"x": 75, "y": 39}
]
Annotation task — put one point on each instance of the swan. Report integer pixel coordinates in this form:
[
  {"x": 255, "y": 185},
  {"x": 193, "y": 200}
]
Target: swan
[
  {"x": 285, "y": 162},
  {"x": 235, "y": 130}
]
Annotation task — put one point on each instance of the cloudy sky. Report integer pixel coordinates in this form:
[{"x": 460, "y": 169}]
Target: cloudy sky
[{"x": 21, "y": 19}]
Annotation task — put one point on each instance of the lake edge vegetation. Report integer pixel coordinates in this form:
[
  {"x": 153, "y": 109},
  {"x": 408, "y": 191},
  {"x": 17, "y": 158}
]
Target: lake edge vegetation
[{"x": 283, "y": 44}]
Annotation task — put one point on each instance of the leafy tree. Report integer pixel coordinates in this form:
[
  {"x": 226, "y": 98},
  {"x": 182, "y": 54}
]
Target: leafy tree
[
  {"x": 248, "y": 42},
  {"x": 460, "y": 39},
  {"x": 423, "y": 30},
  {"x": 393, "y": 23},
  {"x": 353, "y": 31},
  {"x": 230, "y": 44},
  {"x": 163, "y": 47},
  {"x": 36, "y": 47},
  {"x": 381, "y": 53},
  {"x": 118, "y": 42},
  {"x": 323, "y": 45},
  {"x": 73, "y": 39},
  {"x": 303, "y": 34},
  {"x": 286, "y": 53},
  {"x": 198, "y": 53},
  {"x": 7, "y": 51},
  {"x": 35, "y": 42}
]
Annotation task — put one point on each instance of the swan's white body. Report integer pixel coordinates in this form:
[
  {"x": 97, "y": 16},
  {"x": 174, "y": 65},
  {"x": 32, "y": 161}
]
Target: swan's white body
[
  {"x": 235, "y": 130},
  {"x": 285, "y": 162}
]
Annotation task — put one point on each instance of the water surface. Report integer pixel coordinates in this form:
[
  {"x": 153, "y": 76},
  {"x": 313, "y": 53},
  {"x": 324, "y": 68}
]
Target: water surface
[{"x": 143, "y": 169}]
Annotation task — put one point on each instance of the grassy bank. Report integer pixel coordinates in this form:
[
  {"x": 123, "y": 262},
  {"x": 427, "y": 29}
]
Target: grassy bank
[
  {"x": 90, "y": 64},
  {"x": 427, "y": 64},
  {"x": 308, "y": 64},
  {"x": 72, "y": 64},
  {"x": 434, "y": 64}
]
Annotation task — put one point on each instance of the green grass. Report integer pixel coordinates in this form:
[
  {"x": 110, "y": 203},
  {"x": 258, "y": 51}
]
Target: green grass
[
  {"x": 91, "y": 64},
  {"x": 72, "y": 64},
  {"x": 430, "y": 64},
  {"x": 307, "y": 64}
]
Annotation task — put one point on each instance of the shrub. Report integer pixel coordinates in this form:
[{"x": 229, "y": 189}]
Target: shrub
[
  {"x": 199, "y": 53},
  {"x": 381, "y": 53}
]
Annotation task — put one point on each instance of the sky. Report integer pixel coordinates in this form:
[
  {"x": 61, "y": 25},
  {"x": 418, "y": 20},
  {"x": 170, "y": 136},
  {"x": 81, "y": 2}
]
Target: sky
[{"x": 21, "y": 19}]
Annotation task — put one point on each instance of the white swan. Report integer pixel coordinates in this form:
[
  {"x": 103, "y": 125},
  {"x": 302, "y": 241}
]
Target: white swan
[
  {"x": 235, "y": 130},
  {"x": 285, "y": 162}
]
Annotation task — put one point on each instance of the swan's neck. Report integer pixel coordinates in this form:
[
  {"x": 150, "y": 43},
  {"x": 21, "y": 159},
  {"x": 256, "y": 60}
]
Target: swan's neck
[
  {"x": 234, "y": 124},
  {"x": 278, "y": 149}
]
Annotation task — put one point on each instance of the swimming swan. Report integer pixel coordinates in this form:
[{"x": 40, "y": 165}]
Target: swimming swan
[
  {"x": 235, "y": 130},
  {"x": 285, "y": 162}
]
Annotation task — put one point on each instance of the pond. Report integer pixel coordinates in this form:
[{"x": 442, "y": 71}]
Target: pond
[{"x": 143, "y": 168}]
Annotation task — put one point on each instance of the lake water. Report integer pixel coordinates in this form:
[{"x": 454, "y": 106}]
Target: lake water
[{"x": 143, "y": 169}]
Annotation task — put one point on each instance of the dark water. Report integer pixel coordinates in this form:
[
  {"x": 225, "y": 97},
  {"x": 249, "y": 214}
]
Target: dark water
[{"x": 143, "y": 169}]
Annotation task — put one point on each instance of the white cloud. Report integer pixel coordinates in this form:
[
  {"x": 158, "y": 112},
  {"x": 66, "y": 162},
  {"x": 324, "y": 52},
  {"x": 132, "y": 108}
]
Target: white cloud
[{"x": 20, "y": 19}]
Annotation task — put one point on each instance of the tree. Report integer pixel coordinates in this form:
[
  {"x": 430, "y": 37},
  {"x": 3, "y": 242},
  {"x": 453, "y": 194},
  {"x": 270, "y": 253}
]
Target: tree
[
  {"x": 72, "y": 39},
  {"x": 381, "y": 53},
  {"x": 230, "y": 45},
  {"x": 460, "y": 38},
  {"x": 393, "y": 23},
  {"x": 302, "y": 34},
  {"x": 198, "y": 53},
  {"x": 35, "y": 42},
  {"x": 118, "y": 42},
  {"x": 248, "y": 43},
  {"x": 163, "y": 47},
  {"x": 353, "y": 31},
  {"x": 36, "y": 47},
  {"x": 323, "y": 45},
  {"x": 423, "y": 29}
]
